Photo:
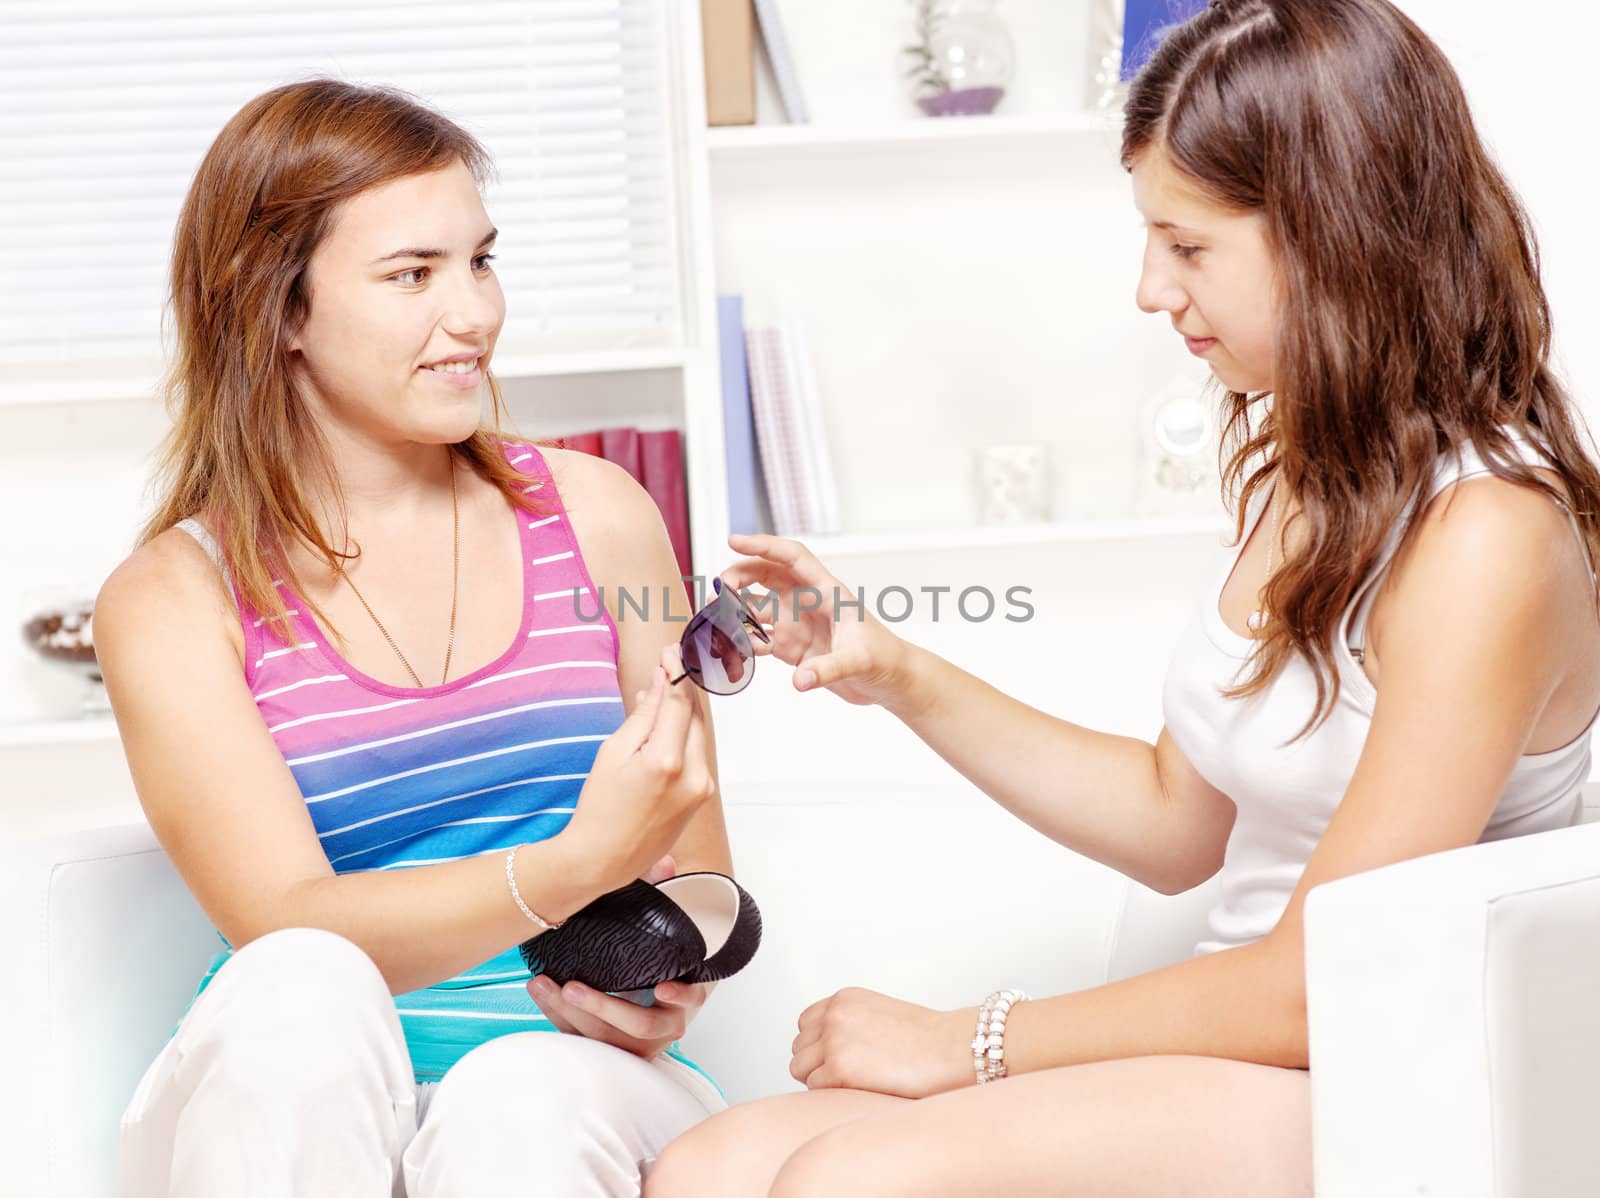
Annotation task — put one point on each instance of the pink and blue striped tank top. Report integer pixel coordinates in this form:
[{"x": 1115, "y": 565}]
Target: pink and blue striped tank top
[{"x": 401, "y": 777}]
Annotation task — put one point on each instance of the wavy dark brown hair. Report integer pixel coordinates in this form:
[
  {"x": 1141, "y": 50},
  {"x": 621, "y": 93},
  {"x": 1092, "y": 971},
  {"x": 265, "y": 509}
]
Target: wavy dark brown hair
[
  {"x": 244, "y": 454},
  {"x": 1412, "y": 320}
]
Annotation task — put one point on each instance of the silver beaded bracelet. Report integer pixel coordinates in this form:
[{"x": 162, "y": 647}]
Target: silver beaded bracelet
[
  {"x": 511, "y": 880},
  {"x": 989, "y": 1044}
]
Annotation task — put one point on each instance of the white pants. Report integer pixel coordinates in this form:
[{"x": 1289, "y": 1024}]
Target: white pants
[{"x": 289, "y": 1078}]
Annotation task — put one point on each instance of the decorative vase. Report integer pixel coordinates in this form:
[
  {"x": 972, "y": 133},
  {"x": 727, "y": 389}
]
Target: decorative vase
[
  {"x": 64, "y": 636},
  {"x": 963, "y": 58},
  {"x": 1014, "y": 484},
  {"x": 1178, "y": 450}
]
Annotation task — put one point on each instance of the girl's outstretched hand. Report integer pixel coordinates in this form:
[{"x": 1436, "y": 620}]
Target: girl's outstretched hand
[{"x": 815, "y": 624}]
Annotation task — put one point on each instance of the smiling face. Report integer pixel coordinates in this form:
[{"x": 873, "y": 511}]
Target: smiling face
[
  {"x": 401, "y": 281},
  {"x": 1211, "y": 270}
]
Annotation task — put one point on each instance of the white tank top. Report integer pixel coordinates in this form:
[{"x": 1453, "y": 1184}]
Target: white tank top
[{"x": 1286, "y": 794}]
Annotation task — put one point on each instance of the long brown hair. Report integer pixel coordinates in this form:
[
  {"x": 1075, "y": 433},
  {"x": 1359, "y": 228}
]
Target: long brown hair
[
  {"x": 244, "y": 453},
  {"x": 1411, "y": 315}
]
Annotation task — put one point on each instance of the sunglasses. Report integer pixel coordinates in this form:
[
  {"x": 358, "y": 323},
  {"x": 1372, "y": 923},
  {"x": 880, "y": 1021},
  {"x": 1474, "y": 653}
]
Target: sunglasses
[{"x": 716, "y": 650}]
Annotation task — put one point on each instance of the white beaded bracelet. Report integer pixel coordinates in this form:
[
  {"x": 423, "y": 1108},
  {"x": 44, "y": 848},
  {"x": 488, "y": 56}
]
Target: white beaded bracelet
[
  {"x": 511, "y": 880},
  {"x": 989, "y": 1044}
]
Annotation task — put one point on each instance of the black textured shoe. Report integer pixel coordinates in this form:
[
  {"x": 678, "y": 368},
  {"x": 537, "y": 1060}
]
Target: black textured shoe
[
  {"x": 727, "y": 918},
  {"x": 698, "y": 927}
]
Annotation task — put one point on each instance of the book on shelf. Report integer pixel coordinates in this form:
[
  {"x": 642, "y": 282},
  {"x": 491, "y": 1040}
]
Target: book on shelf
[
  {"x": 823, "y": 490},
  {"x": 791, "y": 435},
  {"x": 727, "y": 34},
  {"x": 1145, "y": 24},
  {"x": 654, "y": 458},
  {"x": 781, "y": 61},
  {"x": 588, "y": 443},
  {"x": 738, "y": 428},
  {"x": 661, "y": 457},
  {"x": 621, "y": 445}
]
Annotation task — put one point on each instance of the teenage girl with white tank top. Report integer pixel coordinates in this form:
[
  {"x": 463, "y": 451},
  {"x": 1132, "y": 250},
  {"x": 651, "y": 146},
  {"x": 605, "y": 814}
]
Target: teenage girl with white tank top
[{"x": 1401, "y": 657}]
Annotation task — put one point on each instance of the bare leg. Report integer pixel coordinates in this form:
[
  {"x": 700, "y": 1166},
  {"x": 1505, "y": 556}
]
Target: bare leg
[
  {"x": 1145, "y": 1127},
  {"x": 737, "y": 1153}
]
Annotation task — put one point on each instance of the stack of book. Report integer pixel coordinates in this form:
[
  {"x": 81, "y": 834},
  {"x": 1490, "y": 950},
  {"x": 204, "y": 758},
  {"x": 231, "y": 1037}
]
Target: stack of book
[
  {"x": 655, "y": 460},
  {"x": 774, "y": 433},
  {"x": 728, "y": 32}
]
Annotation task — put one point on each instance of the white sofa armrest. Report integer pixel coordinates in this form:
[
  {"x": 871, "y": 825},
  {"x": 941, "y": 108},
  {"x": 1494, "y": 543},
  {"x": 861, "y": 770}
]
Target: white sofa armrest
[
  {"x": 102, "y": 947},
  {"x": 1452, "y": 1003}
]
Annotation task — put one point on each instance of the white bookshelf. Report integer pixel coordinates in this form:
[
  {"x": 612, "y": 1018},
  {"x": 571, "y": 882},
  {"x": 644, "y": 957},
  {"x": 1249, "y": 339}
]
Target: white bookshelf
[
  {"x": 1058, "y": 533},
  {"x": 42, "y": 386},
  {"x": 1038, "y": 130},
  {"x": 87, "y": 730},
  {"x": 618, "y": 361},
  {"x": 956, "y": 276}
]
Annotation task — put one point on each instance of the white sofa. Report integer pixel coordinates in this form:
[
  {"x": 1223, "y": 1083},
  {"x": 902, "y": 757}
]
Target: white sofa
[{"x": 1452, "y": 999}]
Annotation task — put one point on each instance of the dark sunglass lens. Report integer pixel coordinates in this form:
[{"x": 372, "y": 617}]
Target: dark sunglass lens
[
  {"x": 737, "y": 610},
  {"x": 717, "y": 654}
]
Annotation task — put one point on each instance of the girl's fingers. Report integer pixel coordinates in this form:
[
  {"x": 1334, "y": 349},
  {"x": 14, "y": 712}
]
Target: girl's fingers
[
  {"x": 551, "y": 1008},
  {"x": 674, "y": 994},
  {"x": 634, "y": 731},
  {"x": 618, "y": 1014},
  {"x": 783, "y": 552},
  {"x": 673, "y": 711},
  {"x": 807, "y": 1037},
  {"x": 822, "y": 1078},
  {"x": 694, "y": 739},
  {"x": 822, "y": 670},
  {"x": 813, "y": 1013},
  {"x": 755, "y": 572},
  {"x": 590, "y": 1028},
  {"x": 806, "y": 1062},
  {"x": 774, "y": 549}
]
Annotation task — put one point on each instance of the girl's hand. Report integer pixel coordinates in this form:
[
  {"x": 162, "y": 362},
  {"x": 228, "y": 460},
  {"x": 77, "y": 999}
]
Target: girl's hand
[
  {"x": 643, "y": 1031},
  {"x": 845, "y": 651},
  {"x": 649, "y": 777},
  {"x": 862, "y": 1040}
]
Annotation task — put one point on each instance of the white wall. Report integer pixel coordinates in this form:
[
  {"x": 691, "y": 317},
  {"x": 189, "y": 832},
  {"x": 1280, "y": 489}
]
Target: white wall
[
  {"x": 71, "y": 477},
  {"x": 72, "y": 481},
  {"x": 1529, "y": 72},
  {"x": 1004, "y": 354}
]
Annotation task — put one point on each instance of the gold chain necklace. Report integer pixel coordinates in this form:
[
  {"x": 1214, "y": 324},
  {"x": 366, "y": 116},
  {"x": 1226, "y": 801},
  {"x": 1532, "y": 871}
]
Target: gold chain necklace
[{"x": 455, "y": 577}]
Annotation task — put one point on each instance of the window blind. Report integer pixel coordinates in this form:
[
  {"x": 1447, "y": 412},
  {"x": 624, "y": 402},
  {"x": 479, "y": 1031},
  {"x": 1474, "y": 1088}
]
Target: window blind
[{"x": 106, "y": 110}]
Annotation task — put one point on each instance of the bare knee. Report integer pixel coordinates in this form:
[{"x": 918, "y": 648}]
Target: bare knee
[
  {"x": 738, "y": 1153},
  {"x": 734, "y": 1154},
  {"x": 863, "y": 1158},
  {"x": 695, "y": 1165},
  {"x": 818, "y": 1168}
]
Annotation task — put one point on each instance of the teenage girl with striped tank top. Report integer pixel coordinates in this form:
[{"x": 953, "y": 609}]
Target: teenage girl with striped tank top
[
  {"x": 369, "y": 707},
  {"x": 1402, "y": 658}
]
